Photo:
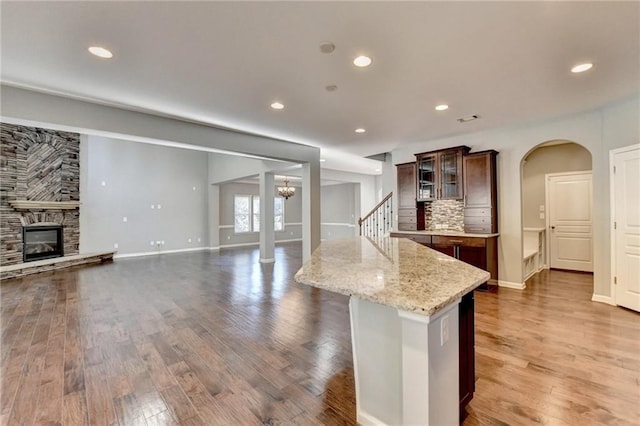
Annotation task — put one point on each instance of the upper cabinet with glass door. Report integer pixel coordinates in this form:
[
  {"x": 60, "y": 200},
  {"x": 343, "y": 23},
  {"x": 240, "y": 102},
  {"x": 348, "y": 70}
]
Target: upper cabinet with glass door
[{"x": 440, "y": 174}]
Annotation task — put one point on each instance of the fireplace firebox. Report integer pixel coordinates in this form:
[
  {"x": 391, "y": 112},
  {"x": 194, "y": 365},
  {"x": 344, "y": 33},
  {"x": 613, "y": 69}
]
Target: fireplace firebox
[{"x": 42, "y": 242}]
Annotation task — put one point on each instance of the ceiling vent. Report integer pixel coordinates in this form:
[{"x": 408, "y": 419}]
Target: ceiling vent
[
  {"x": 327, "y": 47},
  {"x": 468, "y": 118}
]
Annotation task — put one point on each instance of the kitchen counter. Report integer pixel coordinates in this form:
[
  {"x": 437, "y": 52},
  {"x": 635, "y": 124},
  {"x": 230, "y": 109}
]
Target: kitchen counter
[
  {"x": 446, "y": 233},
  {"x": 409, "y": 331},
  {"x": 405, "y": 275}
]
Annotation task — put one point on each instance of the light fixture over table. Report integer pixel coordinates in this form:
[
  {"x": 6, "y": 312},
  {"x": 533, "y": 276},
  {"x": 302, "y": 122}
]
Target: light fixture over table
[{"x": 286, "y": 191}]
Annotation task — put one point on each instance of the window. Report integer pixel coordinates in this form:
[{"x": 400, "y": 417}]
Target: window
[
  {"x": 278, "y": 213},
  {"x": 246, "y": 211}
]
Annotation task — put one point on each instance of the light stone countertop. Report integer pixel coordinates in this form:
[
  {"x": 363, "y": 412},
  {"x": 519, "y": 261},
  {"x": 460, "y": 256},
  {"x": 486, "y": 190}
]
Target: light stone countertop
[
  {"x": 446, "y": 233},
  {"x": 396, "y": 272}
]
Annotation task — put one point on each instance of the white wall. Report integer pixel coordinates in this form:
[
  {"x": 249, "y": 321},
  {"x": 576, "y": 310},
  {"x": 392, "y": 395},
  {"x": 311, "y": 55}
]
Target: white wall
[
  {"x": 599, "y": 131},
  {"x": 340, "y": 210},
  {"x": 367, "y": 186},
  {"x": 137, "y": 176}
]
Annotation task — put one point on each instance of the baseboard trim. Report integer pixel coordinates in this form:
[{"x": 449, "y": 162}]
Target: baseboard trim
[
  {"x": 256, "y": 243},
  {"x": 366, "y": 419},
  {"x": 153, "y": 253},
  {"x": 603, "y": 299},
  {"x": 509, "y": 284}
]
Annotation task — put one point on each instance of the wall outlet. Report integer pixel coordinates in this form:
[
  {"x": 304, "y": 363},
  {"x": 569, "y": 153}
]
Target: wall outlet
[
  {"x": 159, "y": 206},
  {"x": 103, "y": 183},
  {"x": 124, "y": 219},
  {"x": 228, "y": 237},
  {"x": 199, "y": 239},
  {"x": 115, "y": 245},
  {"x": 194, "y": 188},
  {"x": 541, "y": 207},
  {"x": 444, "y": 330},
  {"x": 291, "y": 233},
  {"x": 541, "y": 215},
  {"x": 189, "y": 240},
  {"x": 153, "y": 206}
]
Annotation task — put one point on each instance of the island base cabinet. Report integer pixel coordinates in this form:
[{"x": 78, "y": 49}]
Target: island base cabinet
[
  {"x": 406, "y": 365},
  {"x": 467, "y": 355}
]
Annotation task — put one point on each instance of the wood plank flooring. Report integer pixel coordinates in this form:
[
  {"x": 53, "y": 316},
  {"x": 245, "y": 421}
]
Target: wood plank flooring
[{"x": 218, "y": 338}]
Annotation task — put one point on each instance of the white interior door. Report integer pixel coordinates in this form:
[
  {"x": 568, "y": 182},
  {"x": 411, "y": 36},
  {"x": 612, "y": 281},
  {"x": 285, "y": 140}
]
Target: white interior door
[
  {"x": 570, "y": 221},
  {"x": 626, "y": 238}
]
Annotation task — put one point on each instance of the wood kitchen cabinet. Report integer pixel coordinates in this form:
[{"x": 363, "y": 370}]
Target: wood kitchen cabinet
[
  {"x": 439, "y": 174},
  {"x": 480, "y": 252},
  {"x": 480, "y": 192},
  {"x": 410, "y": 217}
]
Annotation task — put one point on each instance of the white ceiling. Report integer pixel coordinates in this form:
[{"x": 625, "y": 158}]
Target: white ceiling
[{"x": 223, "y": 63}]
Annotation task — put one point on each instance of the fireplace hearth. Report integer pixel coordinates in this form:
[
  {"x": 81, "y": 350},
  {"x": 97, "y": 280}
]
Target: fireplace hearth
[{"x": 42, "y": 242}]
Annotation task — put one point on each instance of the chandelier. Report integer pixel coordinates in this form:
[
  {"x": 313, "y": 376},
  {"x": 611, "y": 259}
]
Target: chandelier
[{"x": 286, "y": 191}]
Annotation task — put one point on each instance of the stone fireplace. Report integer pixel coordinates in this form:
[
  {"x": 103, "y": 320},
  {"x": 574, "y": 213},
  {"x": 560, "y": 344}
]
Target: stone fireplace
[{"x": 39, "y": 194}]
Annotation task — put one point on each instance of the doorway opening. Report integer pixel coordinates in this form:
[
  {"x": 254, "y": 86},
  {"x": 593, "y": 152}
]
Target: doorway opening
[{"x": 557, "y": 208}]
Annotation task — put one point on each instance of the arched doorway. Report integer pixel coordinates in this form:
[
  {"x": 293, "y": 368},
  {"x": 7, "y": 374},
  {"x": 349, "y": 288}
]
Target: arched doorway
[{"x": 546, "y": 165}]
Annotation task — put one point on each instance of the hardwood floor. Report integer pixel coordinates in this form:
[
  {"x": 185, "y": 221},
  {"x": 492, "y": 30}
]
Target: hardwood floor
[{"x": 218, "y": 338}]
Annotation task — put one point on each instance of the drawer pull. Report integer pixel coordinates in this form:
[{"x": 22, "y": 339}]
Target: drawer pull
[{"x": 456, "y": 241}]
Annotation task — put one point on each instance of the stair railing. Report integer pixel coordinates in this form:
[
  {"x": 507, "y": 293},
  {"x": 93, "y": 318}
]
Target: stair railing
[{"x": 378, "y": 221}]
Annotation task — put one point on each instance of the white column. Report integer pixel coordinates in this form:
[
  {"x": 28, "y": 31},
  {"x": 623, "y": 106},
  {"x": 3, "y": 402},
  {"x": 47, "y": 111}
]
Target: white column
[
  {"x": 214, "y": 216},
  {"x": 267, "y": 232},
  {"x": 310, "y": 207}
]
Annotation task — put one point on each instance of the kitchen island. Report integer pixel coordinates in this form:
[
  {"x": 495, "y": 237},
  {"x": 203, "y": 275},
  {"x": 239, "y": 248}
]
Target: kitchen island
[{"x": 404, "y": 311}]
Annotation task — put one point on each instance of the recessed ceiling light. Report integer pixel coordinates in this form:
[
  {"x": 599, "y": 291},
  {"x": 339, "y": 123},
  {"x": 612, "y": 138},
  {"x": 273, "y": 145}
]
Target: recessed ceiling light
[
  {"x": 277, "y": 105},
  {"x": 101, "y": 52},
  {"x": 362, "y": 61},
  {"x": 582, "y": 67},
  {"x": 442, "y": 107},
  {"x": 360, "y": 130}
]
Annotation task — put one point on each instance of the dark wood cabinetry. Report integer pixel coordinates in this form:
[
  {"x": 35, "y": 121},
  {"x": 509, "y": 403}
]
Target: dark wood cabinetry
[
  {"x": 410, "y": 218},
  {"x": 480, "y": 252},
  {"x": 439, "y": 174},
  {"x": 466, "y": 351},
  {"x": 480, "y": 192}
]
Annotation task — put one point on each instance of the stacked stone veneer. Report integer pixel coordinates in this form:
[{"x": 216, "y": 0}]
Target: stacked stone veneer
[
  {"x": 448, "y": 214},
  {"x": 37, "y": 165}
]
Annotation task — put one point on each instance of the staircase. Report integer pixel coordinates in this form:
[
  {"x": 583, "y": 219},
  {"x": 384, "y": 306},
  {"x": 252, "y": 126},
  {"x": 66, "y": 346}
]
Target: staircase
[{"x": 377, "y": 223}]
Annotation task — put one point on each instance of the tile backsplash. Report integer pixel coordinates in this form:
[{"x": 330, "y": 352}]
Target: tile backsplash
[{"x": 444, "y": 214}]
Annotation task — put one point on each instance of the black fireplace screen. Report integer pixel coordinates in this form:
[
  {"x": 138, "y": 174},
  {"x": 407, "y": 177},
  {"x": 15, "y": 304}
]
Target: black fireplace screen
[{"x": 42, "y": 242}]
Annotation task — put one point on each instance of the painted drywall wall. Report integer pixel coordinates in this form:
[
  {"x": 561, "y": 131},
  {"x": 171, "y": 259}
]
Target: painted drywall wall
[
  {"x": 568, "y": 157},
  {"x": 599, "y": 131},
  {"x": 339, "y": 213},
  {"x": 151, "y": 186},
  {"x": 228, "y": 237},
  {"x": 30, "y": 108},
  {"x": 367, "y": 185}
]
